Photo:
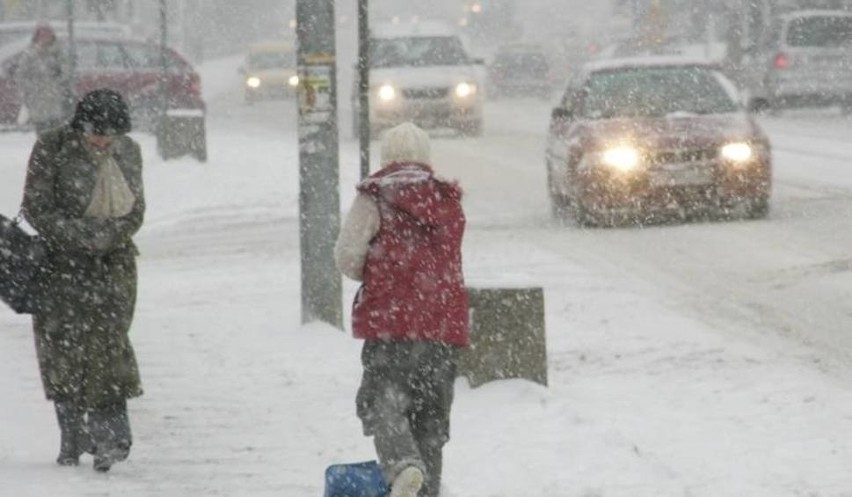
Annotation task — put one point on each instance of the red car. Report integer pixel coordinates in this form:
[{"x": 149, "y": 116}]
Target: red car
[
  {"x": 130, "y": 67},
  {"x": 634, "y": 138}
]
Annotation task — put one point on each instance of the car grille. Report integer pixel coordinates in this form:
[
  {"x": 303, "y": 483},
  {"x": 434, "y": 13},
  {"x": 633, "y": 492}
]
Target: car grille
[
  {"x": 425, "y": 93},
  {"x": 688, "y": 156}
]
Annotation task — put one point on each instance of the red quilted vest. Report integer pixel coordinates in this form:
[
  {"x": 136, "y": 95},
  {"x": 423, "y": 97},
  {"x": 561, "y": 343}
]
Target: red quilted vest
[{"x": 413, "y": 287}]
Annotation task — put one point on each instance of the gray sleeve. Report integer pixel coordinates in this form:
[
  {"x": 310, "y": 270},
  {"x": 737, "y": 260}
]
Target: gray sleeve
[{"x": 361, "y": 225}]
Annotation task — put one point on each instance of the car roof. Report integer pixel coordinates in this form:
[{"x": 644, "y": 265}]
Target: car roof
[
  {"x": 14, "y": 48},
  {"x": 413, "y": 28},
  {"x": 272, "y": 46},
  {"x": 815, "y": 13},
  {"x": 646, "y": 62}
]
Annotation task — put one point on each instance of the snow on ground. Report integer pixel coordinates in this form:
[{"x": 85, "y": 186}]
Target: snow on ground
[{"x": 663, "y": 382}]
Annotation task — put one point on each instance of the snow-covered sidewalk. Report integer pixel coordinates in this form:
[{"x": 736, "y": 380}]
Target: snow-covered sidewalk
[{"x": 242, "y": 400}]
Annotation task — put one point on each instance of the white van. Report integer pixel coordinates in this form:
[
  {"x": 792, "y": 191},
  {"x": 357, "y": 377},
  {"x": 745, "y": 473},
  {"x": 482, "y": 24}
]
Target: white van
[
  {"x": 420, "y": 71},
  {"x": 806, "y": 60}
]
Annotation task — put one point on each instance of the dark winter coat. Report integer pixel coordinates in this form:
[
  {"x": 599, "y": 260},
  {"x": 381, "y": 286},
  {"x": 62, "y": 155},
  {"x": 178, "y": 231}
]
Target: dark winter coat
[
  {"x": 81, "y": 332},
  {"x": 413, "y": 287}
]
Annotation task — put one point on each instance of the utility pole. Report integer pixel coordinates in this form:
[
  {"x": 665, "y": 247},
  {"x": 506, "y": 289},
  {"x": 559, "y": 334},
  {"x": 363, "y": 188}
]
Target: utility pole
[
  {"x": 319, "y": 198},
  {"x": 164, "y": 40},
  {"x": 364, "y": 86},
  {"x": 72, "y": 48}
]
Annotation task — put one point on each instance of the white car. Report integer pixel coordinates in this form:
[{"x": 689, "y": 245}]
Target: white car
[
  {"x": 421, "y": 72},
  {"x": 805, "y": 60}
]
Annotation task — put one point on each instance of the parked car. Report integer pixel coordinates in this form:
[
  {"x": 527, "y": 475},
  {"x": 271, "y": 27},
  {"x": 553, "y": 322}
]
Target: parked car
[
  {"x": 270, "y": 71},
  {"x": 131, "y": 67},
  {"x": 635, "y": 138},
  {"x": 520, "y": 70},
  {"x": 421, "y": 72},
  {"x": 805, "y": 60}
]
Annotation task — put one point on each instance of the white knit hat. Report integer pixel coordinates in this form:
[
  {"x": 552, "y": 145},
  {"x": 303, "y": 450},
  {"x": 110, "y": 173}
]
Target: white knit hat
[{"x": 405, "y": 143}]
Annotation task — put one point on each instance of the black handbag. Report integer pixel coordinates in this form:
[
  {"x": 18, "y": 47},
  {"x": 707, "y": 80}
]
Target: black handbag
[{"x": 23, "y": 267}]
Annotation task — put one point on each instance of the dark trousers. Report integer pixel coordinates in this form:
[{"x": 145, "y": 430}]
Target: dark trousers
[
  {"x": 404, "y": 402},
  {"x": 101, "y": 431}
]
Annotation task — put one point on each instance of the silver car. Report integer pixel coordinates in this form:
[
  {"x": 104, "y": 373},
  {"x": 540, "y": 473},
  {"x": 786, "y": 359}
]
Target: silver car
[
  {"x": 421, "y": 72},
  {"x": 805, "y": 60}
]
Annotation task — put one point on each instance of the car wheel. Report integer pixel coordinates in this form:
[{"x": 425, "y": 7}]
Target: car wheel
[
  {"x": 559, "y": 207},
  {"x": 471, "y": 129},
  {"x": 758, "y": 105},
  {"x": 757, "y": 208},
  {"x": 583, "y": 216}
]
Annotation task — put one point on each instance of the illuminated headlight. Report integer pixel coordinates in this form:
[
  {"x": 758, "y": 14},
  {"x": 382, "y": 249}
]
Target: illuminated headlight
[
  {"x": 387, "y": 93},
  {"x": 621, "y": 158},
  {"x": 253, "y": 82},
  {"x": 293, "y": 81},
  {"x": 737, "y": 152},
  {"x": 464, "y": 90}
]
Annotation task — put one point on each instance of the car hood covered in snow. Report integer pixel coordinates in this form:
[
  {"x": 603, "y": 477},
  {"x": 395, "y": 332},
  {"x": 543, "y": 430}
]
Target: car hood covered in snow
[
  {"x": 432, "y": 76},
  {"x": 674, "y": 131}
]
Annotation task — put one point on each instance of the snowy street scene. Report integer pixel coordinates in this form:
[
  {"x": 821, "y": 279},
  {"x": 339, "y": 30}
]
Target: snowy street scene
[{"x": 674, "y": 175}]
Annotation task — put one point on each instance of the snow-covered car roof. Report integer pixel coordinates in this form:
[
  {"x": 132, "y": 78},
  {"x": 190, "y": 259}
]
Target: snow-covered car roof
[
  {"x": 16, "y": 47},
  {"x": 815, "y": 13},
  {"x": 643, "y": 62},
  {"x": 412, "y": 28}
]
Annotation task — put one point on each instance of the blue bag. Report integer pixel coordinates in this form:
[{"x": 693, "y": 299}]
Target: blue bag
[{"x": 361, "y": 479}]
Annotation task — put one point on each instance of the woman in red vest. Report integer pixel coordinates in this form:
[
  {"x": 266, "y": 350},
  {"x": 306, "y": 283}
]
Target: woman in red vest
[{"x": 402, "y": 239}]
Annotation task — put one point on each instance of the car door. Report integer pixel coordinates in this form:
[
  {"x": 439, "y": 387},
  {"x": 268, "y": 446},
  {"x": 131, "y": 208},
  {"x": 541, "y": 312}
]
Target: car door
[
  {"x": 145, "y": 62},
  {"x": 561, "y": 140}
]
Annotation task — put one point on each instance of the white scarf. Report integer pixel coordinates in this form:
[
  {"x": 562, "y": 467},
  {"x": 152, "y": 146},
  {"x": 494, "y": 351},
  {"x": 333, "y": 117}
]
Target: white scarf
[{"x": 111, "y": 197}]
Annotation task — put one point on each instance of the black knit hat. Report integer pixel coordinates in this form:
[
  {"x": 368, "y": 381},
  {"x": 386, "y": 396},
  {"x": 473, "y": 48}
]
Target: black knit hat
[{"x": 102, "y": 112}]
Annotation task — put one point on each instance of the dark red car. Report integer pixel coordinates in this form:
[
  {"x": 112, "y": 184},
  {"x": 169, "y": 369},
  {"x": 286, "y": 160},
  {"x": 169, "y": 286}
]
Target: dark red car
[
  {"x": 634, "y": 138},
  {"x": 131, "y": 67}
]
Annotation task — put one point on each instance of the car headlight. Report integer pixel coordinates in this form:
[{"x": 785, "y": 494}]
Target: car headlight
[
  {"x": 253, "y": 82},
  {"x": 623, "y": 158},
  {"x": 293, "y": 81},
  {"x": 737, "y": 152},
  {"x": 464, "y": 90},
  {"x": 387, "y": 93}
]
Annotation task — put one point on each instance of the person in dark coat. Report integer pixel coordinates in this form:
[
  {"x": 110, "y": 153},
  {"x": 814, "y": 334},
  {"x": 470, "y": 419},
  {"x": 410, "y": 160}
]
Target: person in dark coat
[
  {"x": 84, "y": 197},
  {"x": 402, "y": 239},
  {"x": 41, "y": 76}
]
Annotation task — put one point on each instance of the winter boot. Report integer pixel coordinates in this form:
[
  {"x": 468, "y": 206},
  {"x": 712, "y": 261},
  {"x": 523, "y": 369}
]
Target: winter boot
[
  {"x": 407, "y": 483},
  {"x": 107, "y": 456},
  {"x": 70, "y": 419},
  {"x": 110, "y": 432}
]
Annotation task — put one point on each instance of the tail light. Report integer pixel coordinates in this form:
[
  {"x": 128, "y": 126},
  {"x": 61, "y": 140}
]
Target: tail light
[{"x": 781, "y": 61}]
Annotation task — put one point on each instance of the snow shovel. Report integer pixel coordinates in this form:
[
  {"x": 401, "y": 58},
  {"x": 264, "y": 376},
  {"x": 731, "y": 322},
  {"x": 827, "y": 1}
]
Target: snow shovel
[{"x": 361, "y": 479}]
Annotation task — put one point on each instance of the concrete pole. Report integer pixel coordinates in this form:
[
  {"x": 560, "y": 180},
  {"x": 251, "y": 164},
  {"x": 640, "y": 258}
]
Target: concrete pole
[
  {"x": 72, "y": 48},
  {"x": 319, "y": 198},
  {"x": 364, "y": 85},
  {"x": 164, "y": 40}
]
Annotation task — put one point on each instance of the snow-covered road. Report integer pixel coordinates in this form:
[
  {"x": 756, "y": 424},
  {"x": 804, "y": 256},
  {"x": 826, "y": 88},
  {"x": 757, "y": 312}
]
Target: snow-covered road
[{"x": 697, "y": 359}]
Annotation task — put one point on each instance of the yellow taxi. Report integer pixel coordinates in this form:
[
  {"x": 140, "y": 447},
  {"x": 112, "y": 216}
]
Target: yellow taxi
[{"x": 269, "y": 71}]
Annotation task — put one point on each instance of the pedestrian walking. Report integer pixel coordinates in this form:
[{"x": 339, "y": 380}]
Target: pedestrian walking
[
  {"x": 84, "y": 197},
  {"x": 402, "y": 239},
  {"x": 41, "y": 76}
]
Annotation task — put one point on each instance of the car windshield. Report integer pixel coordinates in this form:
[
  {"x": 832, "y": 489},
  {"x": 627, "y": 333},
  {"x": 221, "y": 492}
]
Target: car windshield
[
  {"x": 656, "y": 92},
  {"x": 270, "y": 60},
  {"x": 820, "y": 31},
  {"x": 417, "y": 51}
]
